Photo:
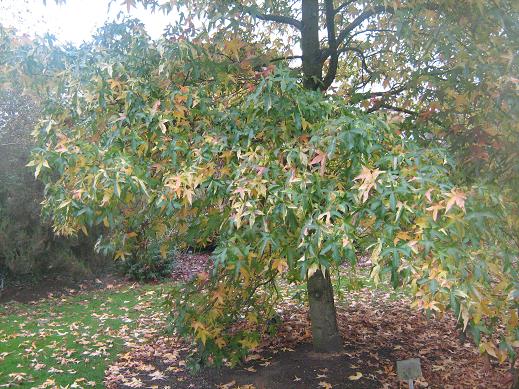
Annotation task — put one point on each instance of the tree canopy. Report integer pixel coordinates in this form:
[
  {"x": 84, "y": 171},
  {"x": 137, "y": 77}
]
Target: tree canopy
[{"x": 391, "y": 136}]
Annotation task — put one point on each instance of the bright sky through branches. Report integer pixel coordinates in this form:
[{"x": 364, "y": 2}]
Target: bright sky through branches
[{"x": 75, "y": 21}]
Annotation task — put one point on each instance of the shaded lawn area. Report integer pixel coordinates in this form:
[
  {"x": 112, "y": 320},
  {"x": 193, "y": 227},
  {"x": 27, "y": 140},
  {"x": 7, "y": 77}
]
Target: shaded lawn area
[{"x": 71, "y": 340}]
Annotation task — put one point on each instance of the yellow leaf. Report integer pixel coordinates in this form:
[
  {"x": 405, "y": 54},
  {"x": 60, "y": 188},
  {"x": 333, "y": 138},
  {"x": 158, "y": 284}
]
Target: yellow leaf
[
  {"x": 106, "y": 197},
  {"x": 375, "y": 274},
  {"x": 64, "y": 204},
  {"x": 83, "y": 228},
  {"x": 220, "y": 342},
  {"x": 402, "y": 235},
  {"x": 164, "y": 250},
  {"x": 465, "y": 316},
  {"x": 120, "y": 254},
  {"x": 233, "y": 46},
  {"x": 280, "y": 265},
  {"x": 252, "y": 318},
  {"x": 312, "y": 269},
  {"x": 489, "y": 348},
  {"x": 369, "y": 180},
  {"x": 325, "y": 385},
  {"x": 245, "y": 274},
  {"x": 357, "y": 376},
  {"x": 435, "y": 209},
  {"x": 249, "y": 343},
  {"x": 461, "y": 100},
  {"x": 228, "y": 385}
]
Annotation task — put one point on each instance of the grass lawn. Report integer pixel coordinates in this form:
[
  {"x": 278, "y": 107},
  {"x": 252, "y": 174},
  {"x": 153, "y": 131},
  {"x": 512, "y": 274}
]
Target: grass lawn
[{"x": 69, "y": 341}]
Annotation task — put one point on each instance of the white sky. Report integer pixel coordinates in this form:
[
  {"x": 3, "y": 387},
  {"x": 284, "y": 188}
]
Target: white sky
[{"x": 75, "y": 21}]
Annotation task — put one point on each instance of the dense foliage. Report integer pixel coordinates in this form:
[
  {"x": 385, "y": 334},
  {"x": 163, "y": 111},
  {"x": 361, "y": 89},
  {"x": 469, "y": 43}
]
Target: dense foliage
[
  {"x": 193, "y": 139},
  {"x": 28, "y": 247}
]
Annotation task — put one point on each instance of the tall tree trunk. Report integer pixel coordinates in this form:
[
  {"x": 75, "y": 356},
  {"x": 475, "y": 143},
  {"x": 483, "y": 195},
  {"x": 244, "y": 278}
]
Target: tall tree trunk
[{"x": 325, "y": 334}]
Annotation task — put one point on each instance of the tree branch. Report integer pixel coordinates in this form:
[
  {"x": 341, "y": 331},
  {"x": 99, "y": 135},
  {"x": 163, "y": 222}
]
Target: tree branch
[
  {"x": 403, "y": 110},
  {"x": 359, "y": 53},
  {"x": 343, "y": 5},
  {"x": 332, "y": 44},
  {"x": 270, "y": 17},
  {"x": 392, "y": 108},
  {"x": 286, "y": 58},
  {"x": 360, "y": 19}
]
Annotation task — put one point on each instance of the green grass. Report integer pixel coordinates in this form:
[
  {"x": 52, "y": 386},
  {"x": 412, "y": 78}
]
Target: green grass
[{"x": 70, "y": 341}]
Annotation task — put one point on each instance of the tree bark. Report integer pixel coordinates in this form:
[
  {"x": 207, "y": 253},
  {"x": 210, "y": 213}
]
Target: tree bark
[
  {"x": 310, "y": 47},
  {"x": 325, "y": 333},
  {"x": 515, "y": 378}
]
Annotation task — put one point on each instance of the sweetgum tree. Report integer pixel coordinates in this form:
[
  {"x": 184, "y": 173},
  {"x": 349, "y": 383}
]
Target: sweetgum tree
[{"x": 253, "y": 123}]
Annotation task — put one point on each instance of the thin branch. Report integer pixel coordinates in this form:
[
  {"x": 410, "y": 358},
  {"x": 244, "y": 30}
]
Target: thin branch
[
  {"x": 369, "y": 30},
  {"x": 286, "y": 58},
  {"x": 360, "y": 54},
  {"x": 392, "y": 108},
  {"x": 332, "y": 44},
  {"x": 270, "y": 17},
  {"x": 360, "y": 19},
  {"x": 403, "y": 110},
  {"x": 343, "y": 5},
  {"x": 279, "y": 19},
  {"x": 327, "y": 52},
  {"x": 391, "y": 92}
]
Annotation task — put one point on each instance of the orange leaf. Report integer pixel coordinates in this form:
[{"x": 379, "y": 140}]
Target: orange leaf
[
  {"x": 456, "y": 197},
  {"x": 319, "y": 158}
]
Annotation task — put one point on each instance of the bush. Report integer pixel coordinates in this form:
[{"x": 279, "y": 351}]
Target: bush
[
  {"x": 151, "y": 265},
  {"x": 28, "y": 247}
]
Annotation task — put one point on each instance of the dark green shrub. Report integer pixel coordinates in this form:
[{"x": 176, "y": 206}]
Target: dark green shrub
[{"x": 151, "y": 265}]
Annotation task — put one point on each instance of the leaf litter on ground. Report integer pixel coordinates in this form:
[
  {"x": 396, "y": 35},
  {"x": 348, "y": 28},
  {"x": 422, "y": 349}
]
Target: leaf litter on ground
[{"x": 378, "y": 328}]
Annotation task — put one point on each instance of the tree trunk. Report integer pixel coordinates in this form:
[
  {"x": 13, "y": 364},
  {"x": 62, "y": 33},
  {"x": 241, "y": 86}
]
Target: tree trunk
[
  {"x": 310, "y": 46},
  {"x": 323, "y": 316}
]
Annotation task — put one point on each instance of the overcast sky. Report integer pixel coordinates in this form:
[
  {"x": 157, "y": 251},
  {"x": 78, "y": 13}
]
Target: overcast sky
[{"x": 75, "y": 21}]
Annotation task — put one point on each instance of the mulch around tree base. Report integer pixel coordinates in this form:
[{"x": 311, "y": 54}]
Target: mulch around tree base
[{"x": 376, "y": 332}]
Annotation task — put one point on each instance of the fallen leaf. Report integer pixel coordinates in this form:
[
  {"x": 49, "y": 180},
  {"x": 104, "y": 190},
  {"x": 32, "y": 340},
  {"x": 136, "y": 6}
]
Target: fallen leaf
[
  {"x": 355, "y": 377},
  {"x": 228, "y": 385}
]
